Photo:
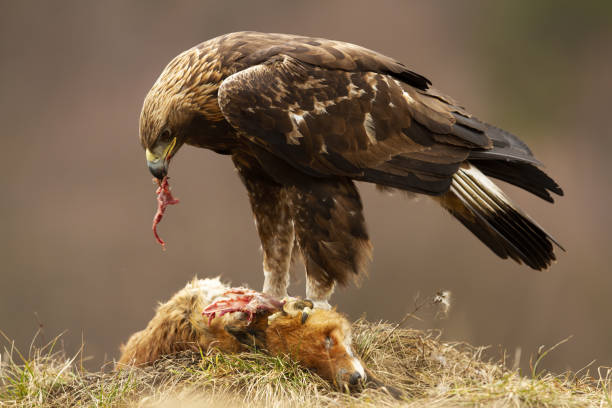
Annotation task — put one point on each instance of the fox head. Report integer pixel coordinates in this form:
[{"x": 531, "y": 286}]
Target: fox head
[{"x": 318, "y": 339}]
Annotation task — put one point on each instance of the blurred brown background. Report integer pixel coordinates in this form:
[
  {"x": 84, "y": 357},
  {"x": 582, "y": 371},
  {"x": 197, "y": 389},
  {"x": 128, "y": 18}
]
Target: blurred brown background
[{"x": 77, "y": 200}]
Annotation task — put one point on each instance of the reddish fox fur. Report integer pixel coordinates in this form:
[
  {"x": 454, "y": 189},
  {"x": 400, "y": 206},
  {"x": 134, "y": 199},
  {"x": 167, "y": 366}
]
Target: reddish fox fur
[{"x": 318, "y": 339}]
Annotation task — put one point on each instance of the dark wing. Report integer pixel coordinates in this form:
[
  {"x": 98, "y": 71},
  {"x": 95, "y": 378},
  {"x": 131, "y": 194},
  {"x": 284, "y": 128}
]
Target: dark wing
[
  {"x": 249, "y": 48},
  {"x": 369, "y": 124},
  {"x": 365, "y": 125}
]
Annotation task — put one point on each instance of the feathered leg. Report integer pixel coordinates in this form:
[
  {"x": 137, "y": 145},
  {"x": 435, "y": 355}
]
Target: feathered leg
[
  {"x": 331, "y": 234},
  {"x": 273, "y": 221}
]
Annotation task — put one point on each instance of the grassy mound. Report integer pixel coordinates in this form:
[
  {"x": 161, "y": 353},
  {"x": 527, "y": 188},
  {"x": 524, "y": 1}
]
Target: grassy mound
[{"x": 429, "y": 372}]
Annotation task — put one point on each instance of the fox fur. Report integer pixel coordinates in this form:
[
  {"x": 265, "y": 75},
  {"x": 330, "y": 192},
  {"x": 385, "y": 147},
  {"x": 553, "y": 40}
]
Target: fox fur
[{"x": 318, "y": 339}]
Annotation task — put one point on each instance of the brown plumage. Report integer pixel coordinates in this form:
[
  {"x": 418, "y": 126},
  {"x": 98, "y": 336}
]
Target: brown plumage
[{"x": 304, "y": 117}]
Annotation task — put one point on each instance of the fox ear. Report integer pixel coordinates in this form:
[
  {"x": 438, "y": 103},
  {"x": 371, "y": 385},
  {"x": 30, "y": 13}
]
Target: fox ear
[
  {"x": 252, "y": 335},
  {"x": 249, "y": 336}
]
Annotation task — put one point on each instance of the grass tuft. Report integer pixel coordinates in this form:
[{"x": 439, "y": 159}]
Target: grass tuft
[{"x": 430, "y": 373}]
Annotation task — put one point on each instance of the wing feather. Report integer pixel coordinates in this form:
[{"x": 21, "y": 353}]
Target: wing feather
[
  {"x": 249, "y": 48},
  {"x": 366, "y": 125}
]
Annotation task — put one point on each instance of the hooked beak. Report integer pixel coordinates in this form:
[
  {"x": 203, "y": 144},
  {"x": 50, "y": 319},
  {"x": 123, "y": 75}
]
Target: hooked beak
[{"x": 159, "y": 158}]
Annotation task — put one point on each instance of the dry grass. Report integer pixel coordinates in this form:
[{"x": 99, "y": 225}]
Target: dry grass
[{"x": 429, "y": 372}]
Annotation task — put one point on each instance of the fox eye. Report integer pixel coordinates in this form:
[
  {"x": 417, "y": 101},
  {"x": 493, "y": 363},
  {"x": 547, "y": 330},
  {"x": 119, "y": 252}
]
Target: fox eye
[{"x": 329, "y": 342}]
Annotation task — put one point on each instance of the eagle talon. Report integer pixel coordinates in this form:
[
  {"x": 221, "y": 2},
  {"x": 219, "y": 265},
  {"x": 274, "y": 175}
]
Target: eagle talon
[{"x": 288, "y": 299}]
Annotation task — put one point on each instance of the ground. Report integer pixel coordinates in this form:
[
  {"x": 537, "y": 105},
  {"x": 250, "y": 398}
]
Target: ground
[{"x": 431, "y": 373}]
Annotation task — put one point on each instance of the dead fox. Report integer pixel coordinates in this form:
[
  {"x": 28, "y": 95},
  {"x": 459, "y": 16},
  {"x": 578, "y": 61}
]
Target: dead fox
[{"x": 209, "y": 314}]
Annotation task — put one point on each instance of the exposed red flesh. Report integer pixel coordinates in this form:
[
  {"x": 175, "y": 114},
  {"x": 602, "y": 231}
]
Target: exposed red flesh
[
  {"x": 241, "y": 300},
  {"x": 164, "y": 199}
]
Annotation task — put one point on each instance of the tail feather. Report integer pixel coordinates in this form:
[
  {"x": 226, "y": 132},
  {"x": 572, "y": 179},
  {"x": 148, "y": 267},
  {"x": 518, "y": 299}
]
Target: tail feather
[
  {"x": 486, "y": 211},
  {"x": 521, "y": 174},
  {"x": 510, "y": 160}
]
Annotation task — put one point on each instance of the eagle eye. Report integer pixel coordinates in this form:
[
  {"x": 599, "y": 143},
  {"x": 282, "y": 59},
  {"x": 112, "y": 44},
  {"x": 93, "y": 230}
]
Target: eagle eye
[{"x": 165, "y": 136}]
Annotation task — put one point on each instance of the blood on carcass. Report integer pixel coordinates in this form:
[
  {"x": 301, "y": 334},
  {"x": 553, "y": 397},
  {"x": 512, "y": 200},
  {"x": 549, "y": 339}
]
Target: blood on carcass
[
  {"x": 164, "y": 199},
  {"x": 241, "y": 300}
]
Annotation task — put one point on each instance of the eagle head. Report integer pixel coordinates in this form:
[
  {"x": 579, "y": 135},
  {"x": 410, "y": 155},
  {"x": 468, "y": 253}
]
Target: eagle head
[{"x": 180, "y": 108}]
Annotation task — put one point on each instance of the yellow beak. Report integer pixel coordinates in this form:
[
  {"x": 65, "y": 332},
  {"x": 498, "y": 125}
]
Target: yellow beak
[{"x": 157, "y": 159}]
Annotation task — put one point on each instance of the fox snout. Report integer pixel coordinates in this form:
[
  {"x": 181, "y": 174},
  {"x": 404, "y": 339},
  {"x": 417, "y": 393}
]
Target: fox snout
[
  {"x": 354, "y": 380},
  {"x": 351, "y": 372}
]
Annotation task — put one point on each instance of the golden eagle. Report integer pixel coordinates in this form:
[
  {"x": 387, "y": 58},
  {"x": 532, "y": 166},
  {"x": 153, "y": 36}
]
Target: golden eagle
[{"x": 302, "y": 118}]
